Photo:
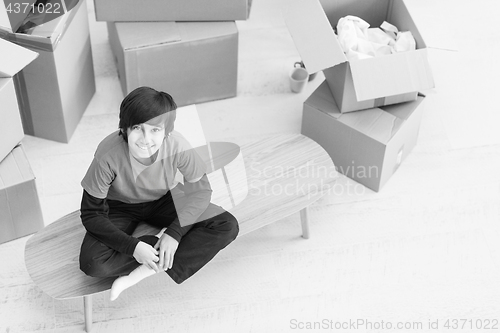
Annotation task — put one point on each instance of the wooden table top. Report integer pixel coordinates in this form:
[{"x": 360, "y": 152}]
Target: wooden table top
[{"x": 285, "y": 174}]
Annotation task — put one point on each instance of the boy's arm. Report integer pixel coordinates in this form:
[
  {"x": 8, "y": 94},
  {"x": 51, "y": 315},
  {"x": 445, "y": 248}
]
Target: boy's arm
[
  {"x": 198, "y": 194},
  {"x": 94, "y": 215}
]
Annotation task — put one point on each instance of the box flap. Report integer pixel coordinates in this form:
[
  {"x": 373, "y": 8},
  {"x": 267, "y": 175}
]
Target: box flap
[
  {"x": 13, "y": 58},
  {"x": 46, "y": 36},
  {"x": 135, "y": 35},
  {"x": 322, "y": 99},
  {"x": 313, "y": 35},
  {"x": 391, "y": 75},
  {"x": 13, "y": 13},
  {"x": 375, "y": 123},
  {"x": 15, "y": 169}
]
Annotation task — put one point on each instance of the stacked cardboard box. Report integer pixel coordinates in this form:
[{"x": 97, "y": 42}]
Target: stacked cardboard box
[
  {"x": 367, "y": 112},
  {"x": 55, "y": 89},
  {"x": 19, "y": 203},
  {"x": 171, "y": 10},
  {"x": 195, "y": 61},
  {"x": 367, "y": 146}
]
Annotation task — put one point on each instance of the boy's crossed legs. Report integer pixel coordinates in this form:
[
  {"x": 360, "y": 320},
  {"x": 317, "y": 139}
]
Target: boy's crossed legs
[{"x": 200, "y": 243}]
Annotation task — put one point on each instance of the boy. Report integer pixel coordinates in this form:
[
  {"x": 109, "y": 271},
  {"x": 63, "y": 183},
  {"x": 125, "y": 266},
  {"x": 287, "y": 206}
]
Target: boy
[{"x": 132, "y": 179}]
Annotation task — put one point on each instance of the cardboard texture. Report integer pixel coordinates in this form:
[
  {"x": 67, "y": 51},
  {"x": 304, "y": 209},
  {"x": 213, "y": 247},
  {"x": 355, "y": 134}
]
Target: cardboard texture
[
  {"x": 171, "y": 10},
  {"x": 193, "y": 61},
  {"x": 19, "y": 203},
  {"x": 55, "y": 89},
  {"x": 367, "y": 146},
  {"x": 366, "y": 83},
  {"x": 12, "y": 59}
]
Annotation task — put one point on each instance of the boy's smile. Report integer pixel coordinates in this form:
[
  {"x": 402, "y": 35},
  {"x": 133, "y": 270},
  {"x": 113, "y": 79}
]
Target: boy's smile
[{"x": 144, "y": 140}]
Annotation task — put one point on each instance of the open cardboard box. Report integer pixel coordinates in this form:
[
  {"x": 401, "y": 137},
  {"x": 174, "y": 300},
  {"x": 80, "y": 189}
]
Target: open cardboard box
[
  {"x": 171, "y": 10},
  {"x": 13, "y": 58},
  {"x": 366, "y": 83},
  {"x": 19, "y": 202},
  {"x": 55, "y": 89},
  {"x": 367, "y": 146},
  {"x": 192, "y": 61}
]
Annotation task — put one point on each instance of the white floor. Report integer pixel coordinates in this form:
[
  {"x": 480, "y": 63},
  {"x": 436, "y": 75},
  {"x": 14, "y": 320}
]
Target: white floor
[{"x": 424, "y": 249}]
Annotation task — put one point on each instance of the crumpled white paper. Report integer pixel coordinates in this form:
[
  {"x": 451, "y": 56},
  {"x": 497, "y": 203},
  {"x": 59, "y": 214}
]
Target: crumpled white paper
[{"x": 359, "y": 41}]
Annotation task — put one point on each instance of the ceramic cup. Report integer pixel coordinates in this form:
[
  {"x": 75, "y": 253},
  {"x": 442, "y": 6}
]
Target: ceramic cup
[{"x": 298, "y": 78}]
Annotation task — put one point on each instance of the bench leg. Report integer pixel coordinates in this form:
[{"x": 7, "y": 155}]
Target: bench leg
[
  {"x": 87, "y": 308},
  {"x": 305, "y": 223}
]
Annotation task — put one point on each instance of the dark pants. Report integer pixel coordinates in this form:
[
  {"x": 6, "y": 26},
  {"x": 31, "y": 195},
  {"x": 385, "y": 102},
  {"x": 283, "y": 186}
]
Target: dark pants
[{"x": 200, "y": 242}]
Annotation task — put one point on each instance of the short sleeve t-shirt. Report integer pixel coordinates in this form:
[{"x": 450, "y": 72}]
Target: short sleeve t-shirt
[{"x": 115, "y": 174}]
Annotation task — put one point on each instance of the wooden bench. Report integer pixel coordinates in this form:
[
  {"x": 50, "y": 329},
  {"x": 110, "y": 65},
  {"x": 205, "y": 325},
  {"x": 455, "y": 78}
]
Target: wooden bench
[{"x": 285, "y": 174}]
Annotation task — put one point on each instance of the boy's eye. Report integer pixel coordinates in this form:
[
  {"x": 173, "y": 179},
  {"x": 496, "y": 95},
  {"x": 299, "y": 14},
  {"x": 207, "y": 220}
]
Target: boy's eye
[
  {"x": 156, "y": 129},
  {"x": 136, "y": 127}
]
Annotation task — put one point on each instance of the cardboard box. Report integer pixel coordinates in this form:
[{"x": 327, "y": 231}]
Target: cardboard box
[
  {"x": 13, "y": 58},
  {"x": 55, "y": 89},
  {"x": 19, "y": 203},
  {"x": 193, "y": 61},
  {"x": 367, "y": 146},
  {"x": 366, "y": 83},
  {"x": 171, "y": 10}
]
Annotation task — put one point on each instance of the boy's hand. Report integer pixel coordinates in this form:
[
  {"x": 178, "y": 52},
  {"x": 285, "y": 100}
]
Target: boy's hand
[
  {"x": 145, "y": 254},
  {"x": 167, "y": 246}
]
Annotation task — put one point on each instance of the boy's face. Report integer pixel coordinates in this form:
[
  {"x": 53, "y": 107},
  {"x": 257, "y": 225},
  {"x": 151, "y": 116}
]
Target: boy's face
[{"x": 144, "y": 140}]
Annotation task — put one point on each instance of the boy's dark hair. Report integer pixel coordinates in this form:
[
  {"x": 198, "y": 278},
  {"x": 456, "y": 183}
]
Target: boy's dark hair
[{"x": 147, "y": 105}]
